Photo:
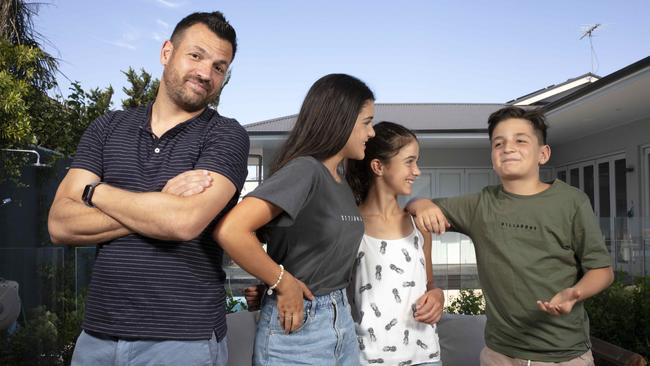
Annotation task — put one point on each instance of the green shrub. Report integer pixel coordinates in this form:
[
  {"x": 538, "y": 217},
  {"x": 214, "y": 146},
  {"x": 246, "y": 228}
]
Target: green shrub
[
  {"x": 46, "y": 334},
  {"x": 621, "y": 315},
  {"x": 234, "y": 305},
  {"x": 45, "y": 339},
  {"x": 467, "y": 302}
]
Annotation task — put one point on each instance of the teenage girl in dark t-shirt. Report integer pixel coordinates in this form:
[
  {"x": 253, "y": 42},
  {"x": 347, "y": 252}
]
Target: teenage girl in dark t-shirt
[{"x": 293, "y": 210}]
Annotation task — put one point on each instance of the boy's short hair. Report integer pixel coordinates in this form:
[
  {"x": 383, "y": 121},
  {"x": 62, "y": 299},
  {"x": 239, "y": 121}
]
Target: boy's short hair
[{"x": 534, "y": 116}]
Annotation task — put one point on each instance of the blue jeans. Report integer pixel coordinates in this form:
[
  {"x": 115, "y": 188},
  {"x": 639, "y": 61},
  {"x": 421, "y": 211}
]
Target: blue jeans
[
  {"x": 91, "y": 350},
  {"x": 327, "y": 336}
]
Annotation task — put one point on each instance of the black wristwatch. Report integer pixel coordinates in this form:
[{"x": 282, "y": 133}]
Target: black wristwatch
[{"x": 87, "y": 195}]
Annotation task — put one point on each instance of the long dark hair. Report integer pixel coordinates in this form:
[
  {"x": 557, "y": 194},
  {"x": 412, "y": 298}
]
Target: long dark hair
[
  {"x": 326, "y": 118},
  {"x": 389, "y": 139}
]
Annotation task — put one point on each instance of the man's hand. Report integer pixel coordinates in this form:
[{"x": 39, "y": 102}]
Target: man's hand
[
  {"x": 165, "y": 216},
  {"x": 188, "y": 183},
  {"x": 253, "y": 297},
  {"x": 562, "y": 303},
  {"x": 428, "y": 216},
  {"x": 291, "y": 292},
  {"x": 428, "y": 308}
]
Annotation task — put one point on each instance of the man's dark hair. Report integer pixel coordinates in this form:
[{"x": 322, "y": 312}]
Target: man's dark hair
[
  {"x": 326, "y": 119},
  {"x": 534, "y": 116},
  {"x": 215, "y": 21}
]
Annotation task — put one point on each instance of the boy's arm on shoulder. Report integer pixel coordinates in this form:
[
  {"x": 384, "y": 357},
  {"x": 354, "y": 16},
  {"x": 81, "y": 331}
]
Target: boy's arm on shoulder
[
  {"x": 439, "y": 214},
  {"x": 428, "y": 216}
]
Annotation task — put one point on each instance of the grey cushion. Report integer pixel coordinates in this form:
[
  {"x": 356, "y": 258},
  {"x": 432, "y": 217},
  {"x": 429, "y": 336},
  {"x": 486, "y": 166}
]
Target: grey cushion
[
  {"x": 9, "y": 303},
  {"x": 461, "y": 339},
  {"x": 241, "y": 336}
]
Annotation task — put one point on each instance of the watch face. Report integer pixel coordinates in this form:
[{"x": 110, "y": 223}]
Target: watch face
[{"x": 84, "y": 195}]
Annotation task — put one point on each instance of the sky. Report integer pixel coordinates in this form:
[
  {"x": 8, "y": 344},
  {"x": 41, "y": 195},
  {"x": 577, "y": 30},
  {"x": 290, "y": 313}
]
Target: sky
[{"x": 414, "y": 52}]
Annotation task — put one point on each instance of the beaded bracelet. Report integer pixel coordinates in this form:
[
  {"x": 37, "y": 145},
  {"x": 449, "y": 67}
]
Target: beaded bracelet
[{"x": 270, "y": 290}]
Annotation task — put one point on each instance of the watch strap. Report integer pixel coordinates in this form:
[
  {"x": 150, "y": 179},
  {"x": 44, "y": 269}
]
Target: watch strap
[{"x": 87, "y": 197}]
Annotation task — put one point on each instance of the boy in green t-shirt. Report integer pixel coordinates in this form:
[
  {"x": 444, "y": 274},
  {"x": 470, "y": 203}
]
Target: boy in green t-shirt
[{"x": 539, "y": 250}]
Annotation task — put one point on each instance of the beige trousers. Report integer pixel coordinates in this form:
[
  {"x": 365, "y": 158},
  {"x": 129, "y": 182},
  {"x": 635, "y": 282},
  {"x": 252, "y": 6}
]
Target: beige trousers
[{"x": 493, "y": 358}]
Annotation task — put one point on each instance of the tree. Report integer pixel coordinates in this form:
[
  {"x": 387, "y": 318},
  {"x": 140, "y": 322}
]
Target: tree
[
  {"x": 61, "y": 122},
  {"x": 143, "y": 89},
  {"x": 17, "y": 28},
  {"x": 17, "y": 67},
  {"x": 29, "y": 117},
  {"x": 26, "y": 74}
]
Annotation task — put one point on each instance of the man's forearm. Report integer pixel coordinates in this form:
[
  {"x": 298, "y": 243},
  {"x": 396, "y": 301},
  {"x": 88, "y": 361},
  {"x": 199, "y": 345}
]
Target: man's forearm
[
  {"x": 72, "y": 223},
  {"x": 155, "y": 214}
]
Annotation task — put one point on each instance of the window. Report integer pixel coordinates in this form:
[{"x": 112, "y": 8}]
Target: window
[
  {"x": 604, "y": 181},
  {"x": 237, "y": 278},
  {"x": 620, "y": 171},
  {"x": 574, "y": 177},
  {"x": 604, "y": 190},
  {"x": 588, "y": 182},
  {"x": 254, "y": 177}
]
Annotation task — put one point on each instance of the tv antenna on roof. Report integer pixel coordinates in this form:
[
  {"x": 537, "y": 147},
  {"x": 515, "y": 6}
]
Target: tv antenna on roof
[{"x": 588, "y": 31}]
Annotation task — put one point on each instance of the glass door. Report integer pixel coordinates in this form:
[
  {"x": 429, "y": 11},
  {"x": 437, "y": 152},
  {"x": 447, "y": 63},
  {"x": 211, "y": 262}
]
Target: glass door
[
  {"x": 583, "y": 176},
  {"x": 645, "y": 220}
]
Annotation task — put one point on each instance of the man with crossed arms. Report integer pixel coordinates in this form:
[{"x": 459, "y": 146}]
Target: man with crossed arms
[{"x": 147, "y": 185}]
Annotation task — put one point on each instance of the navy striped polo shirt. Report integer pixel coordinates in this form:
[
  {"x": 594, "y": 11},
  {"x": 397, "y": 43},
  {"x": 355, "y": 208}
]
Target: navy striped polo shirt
[{"x": 144, "y": 288}]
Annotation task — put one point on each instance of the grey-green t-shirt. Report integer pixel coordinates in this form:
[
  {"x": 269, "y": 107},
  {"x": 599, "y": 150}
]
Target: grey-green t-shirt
[
  {"x": 317, "y": 235},
  {"x": 528, "y": 248}
]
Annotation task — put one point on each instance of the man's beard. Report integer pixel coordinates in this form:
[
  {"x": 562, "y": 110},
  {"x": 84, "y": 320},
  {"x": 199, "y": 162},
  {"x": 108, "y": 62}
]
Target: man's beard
[{"x": 183, "y": 97}]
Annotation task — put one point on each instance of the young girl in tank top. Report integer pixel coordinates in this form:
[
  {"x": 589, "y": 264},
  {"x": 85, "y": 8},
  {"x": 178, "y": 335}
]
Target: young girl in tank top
[{"x": 395, "y": 302}]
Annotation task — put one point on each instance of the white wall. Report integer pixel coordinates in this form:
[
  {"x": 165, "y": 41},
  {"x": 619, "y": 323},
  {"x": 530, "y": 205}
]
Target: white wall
[{"x": 627, "y": 139}]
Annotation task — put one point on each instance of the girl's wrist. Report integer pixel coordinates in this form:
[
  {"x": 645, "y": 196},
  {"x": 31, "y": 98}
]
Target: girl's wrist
[{"x": 431, "y": 285}]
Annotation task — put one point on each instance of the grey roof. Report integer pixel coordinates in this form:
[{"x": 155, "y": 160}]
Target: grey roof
[
  {"x": 554, "y": 86},
  {"x": 420, "y": 117},
  {"x": 601, "y": 83}
]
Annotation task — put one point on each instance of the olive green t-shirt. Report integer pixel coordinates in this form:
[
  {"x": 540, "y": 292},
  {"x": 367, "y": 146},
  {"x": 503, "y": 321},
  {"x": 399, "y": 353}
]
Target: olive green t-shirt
[{"x": 528, "y": 248}]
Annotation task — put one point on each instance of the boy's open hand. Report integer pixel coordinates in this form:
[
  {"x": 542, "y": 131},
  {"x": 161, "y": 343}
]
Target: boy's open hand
[
  {"x": 428, "y": 308},
  {"x": 562, "y": 303},
  {"x": 427, "y": 216}
]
